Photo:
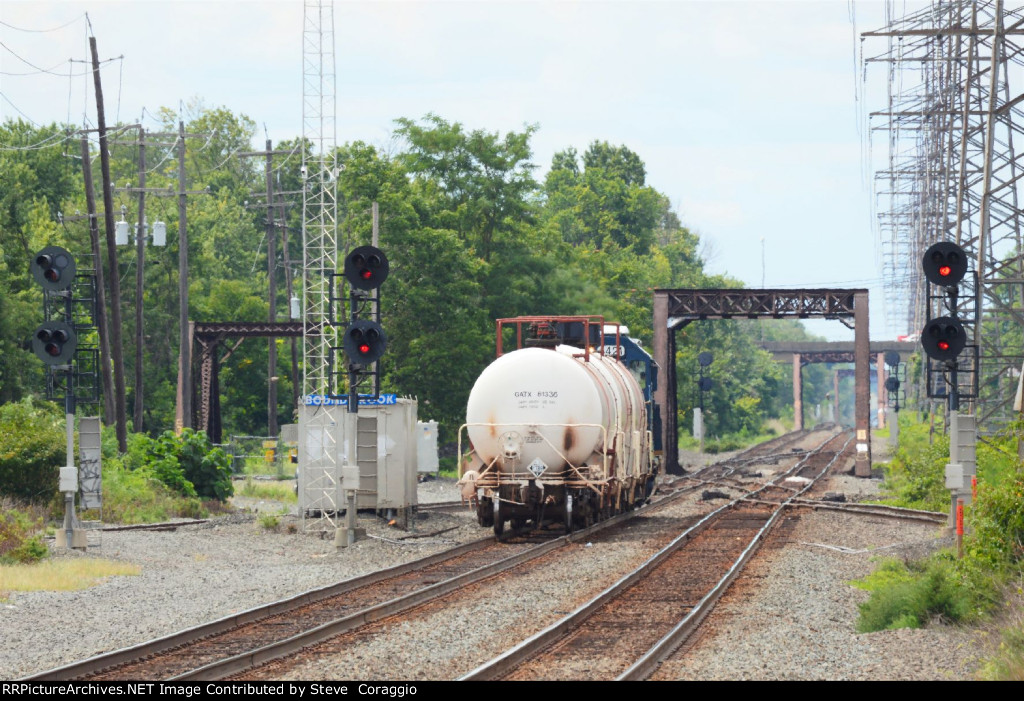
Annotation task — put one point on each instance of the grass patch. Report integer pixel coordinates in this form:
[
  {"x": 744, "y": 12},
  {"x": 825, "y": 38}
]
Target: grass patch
[
  {"x": 269, "y": 491},
  {"x": 281, "y": 467},
  {"x": 728, "y": 442},
  {"x": 271, "y": 521},
  {"x": 65, "y": 574},
  {"x": 915, "y": 477}
]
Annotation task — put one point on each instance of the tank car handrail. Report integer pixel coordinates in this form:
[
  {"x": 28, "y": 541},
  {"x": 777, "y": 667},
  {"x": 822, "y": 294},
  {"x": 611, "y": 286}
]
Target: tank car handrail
[{"x": 575, "y": 468}]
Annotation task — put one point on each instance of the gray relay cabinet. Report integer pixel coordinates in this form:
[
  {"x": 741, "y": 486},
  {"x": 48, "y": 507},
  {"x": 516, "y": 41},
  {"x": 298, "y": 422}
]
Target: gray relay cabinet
[{"x": 386, "y": 455}]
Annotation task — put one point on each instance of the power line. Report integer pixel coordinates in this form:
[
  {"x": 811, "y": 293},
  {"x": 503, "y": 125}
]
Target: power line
[{"x": 45, "y": 31}]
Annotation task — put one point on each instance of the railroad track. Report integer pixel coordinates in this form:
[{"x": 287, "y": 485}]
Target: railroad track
[
  {"x": 241, "y": 642},
  {"x": 670, "y": 593}
]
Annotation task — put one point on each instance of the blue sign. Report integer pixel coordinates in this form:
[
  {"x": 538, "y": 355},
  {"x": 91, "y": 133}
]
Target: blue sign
[{"x": 323, "y": 400}]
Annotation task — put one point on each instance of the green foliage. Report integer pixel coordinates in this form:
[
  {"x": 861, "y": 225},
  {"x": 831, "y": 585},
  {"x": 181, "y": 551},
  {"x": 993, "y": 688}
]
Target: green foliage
[
  {"x": 957, "y": 589},
  {"x": 32, "y": 449},
  {"x": 269, "y": 491},
  {"x": 1008, "y": 662},
  {"x": 190, "y": 465},
  {"x": 471, "y": 234},
  {"x": 910, "y": 596},
  {"x": 997, "y": 520},
  {"x": 269, "y": 522},
  {"x": 20, "y": 540},
  {"x": 915, "y": 477},
  {"x": 448, "y": 466},
  {"x": 138, "y": 496},
  {"x": 34, "y": 184}
]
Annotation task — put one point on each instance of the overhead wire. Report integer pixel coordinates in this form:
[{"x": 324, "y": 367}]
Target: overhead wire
[{"x": 45, "y": 31}]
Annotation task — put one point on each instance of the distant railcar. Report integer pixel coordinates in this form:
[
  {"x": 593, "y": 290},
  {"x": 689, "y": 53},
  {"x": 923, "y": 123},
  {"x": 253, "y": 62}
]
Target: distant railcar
[{"x": 558, "y": 430}]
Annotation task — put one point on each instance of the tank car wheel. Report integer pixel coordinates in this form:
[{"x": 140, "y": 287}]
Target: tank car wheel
[
  {"x": 485, "y": 514},
  {"x": 499, "y": 518}
]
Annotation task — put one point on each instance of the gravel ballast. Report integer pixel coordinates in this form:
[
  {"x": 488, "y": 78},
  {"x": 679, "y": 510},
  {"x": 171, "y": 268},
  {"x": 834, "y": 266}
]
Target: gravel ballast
[{"x": 791, "y": 616}]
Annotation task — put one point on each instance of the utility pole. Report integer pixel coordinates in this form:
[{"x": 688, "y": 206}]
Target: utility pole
[
  {"x": 117, "y": 346},
  {"x": 272, "y": 298},
  {"x": 140, "y": 264},
  {"x": 268, "y": 154},
  {"x": 183, "y": 405},
  {"x": 183, "y": 419},
  {"x": 141, "y": 190}
]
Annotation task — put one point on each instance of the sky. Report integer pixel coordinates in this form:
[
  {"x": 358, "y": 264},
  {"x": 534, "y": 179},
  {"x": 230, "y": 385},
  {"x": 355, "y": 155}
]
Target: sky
[{"x": 750, "y": 116}]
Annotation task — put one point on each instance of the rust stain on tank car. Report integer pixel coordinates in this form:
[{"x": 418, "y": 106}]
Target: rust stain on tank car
[
  {"x": 569, "y": 438},
  {"x": 493, "y": 429}
]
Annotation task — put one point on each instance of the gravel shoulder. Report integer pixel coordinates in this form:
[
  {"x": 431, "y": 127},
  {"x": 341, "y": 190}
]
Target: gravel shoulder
[{"x": 202, "y": 572}]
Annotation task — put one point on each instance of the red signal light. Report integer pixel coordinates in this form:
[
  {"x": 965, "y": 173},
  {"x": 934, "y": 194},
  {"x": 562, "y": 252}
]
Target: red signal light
[
  {"x": 366, "y": 274},
  {"x": 943, "y": 345},
  {"x": 364, "y": 348},
  {"x": 945, "y": 270}
]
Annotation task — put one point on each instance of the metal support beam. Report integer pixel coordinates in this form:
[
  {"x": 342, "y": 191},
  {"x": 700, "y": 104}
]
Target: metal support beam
[{"x": 674, "y": 309}]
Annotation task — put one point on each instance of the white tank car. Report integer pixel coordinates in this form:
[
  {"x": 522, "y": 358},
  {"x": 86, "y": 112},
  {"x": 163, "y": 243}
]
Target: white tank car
[{"x": 550, "y": 425}]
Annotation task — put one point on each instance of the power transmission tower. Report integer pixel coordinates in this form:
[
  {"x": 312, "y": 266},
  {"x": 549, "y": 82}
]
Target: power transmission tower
[
  {"x": 952, "y": 174},
  {"x": 318, "y": 452}
]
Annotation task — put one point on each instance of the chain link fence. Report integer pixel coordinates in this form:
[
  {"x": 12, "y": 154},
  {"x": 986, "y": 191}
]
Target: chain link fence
[{"x": 262, "y": 455}]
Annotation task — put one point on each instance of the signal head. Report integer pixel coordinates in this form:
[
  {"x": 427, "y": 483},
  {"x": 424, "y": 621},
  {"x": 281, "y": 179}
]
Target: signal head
[
  {"x": 944, "y": 263},
  {"x": 366, "y": 268},
  {"x": 364, "y": 342},
  {"x": 943, "y": 338},
  {"x": 53, "y": 268},
  {"x": 54, "y": 343}
]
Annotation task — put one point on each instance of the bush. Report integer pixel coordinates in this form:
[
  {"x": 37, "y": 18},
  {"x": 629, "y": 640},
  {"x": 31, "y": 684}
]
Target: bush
[
  {"x": 32, "y": 449},
  {"x": 916, "y": 476},
  {"x": 998, "y": 522},
  {"x": 905, "y": 596},
  {"x": 19, "y": 540},
  {"x": 1008, "y": 662},
  {"x": 190, "y": 460},
  {"x": 137, "y": 496}
]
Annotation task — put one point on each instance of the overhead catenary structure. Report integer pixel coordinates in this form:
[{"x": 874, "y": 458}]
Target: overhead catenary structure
[{"x": 954, "y": 72}]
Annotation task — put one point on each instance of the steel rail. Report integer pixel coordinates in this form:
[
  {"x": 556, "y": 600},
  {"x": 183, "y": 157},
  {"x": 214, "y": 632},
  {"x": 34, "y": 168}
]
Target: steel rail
[
  {"x": 97, "y": 663},
  {"x": 513, "y": 657},
  {"x": 652, "y": 659},
  {"x": 254, "y": 658},
  {"x": 883, "y": 510},
  {"x": 135, "y": 653}
]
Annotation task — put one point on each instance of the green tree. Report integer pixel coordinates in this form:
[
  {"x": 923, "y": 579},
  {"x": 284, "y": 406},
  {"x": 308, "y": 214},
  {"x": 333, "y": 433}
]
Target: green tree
[{"x": 482, "y": 182}]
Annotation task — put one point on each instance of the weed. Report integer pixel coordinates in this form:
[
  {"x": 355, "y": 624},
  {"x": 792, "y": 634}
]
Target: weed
[
  {"x": 269, "y": 522},
  {"x": 269, "y": 491},
  {"x": 61, "y": 574}
]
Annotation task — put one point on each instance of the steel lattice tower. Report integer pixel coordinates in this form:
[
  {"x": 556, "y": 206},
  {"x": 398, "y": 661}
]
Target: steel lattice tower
[
  {"x": 954, "y": 74},
  {"x": 318, "y": 452}
]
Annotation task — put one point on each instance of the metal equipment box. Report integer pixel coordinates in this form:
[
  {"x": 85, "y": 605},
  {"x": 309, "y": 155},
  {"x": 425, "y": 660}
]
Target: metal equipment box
[{"x": 386, "y": 456}]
